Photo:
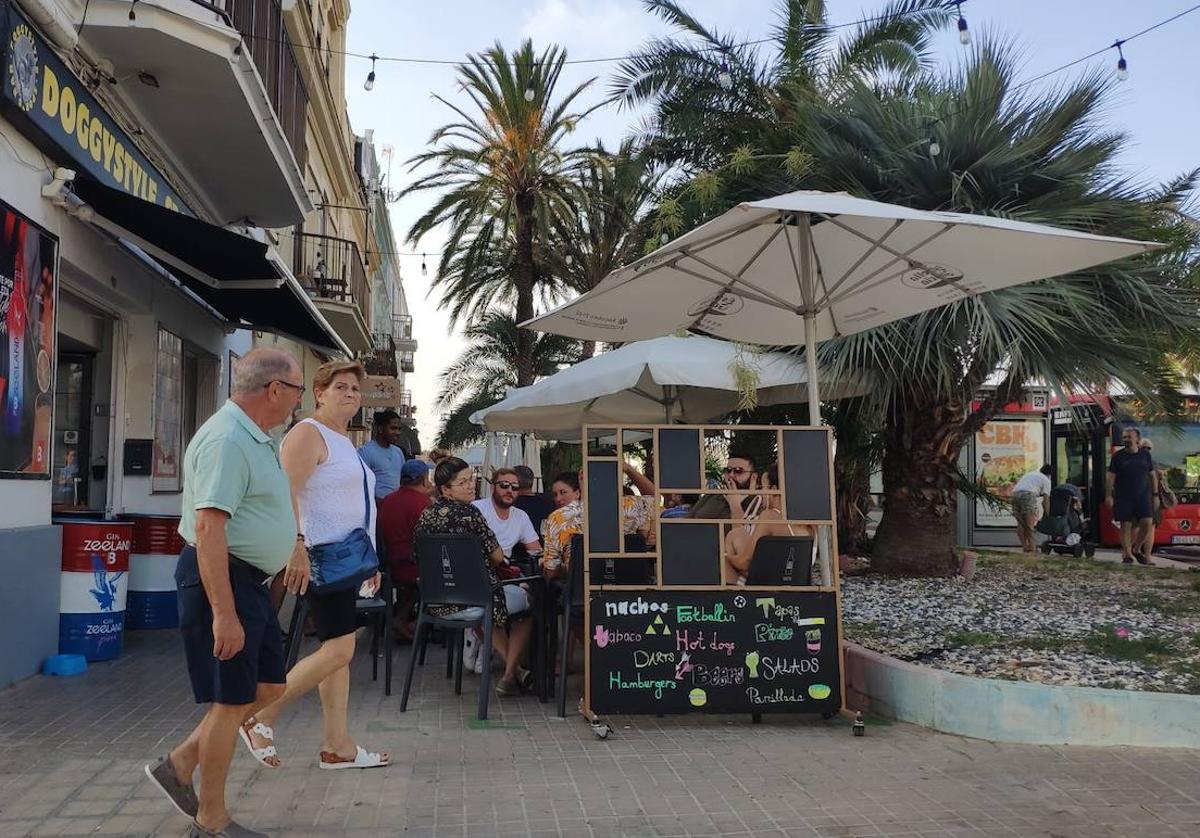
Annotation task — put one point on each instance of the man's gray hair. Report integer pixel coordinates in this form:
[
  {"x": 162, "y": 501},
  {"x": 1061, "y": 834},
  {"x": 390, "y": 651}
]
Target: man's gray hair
[{"x": 259, "y": 367}]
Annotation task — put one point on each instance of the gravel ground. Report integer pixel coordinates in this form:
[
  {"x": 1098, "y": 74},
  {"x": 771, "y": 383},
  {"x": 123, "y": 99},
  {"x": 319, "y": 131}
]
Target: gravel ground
[{"x": 1055, "y": 621}]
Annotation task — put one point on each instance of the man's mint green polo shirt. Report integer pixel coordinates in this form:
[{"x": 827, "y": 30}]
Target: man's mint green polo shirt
[{"x": 232, "y": 465}]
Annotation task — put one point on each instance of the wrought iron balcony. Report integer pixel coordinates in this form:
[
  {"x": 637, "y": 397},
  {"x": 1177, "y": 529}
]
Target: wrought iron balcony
[
  {"x": 402, "y": 331},
  {"x": 382, "y": 359},
  {"x": 406, "y": 408},
  {"x": 333, "y": 272},
  {"x": 407, "y": 362}
]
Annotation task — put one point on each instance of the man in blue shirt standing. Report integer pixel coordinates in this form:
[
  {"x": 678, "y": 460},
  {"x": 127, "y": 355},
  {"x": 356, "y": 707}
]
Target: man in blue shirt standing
[{"x": 383, "y": 454}]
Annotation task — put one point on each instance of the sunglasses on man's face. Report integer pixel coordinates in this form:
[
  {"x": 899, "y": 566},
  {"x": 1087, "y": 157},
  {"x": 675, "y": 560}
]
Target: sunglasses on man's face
[
  {"x": 735, "y": 470},
  {"x": 507, "y": 485}
]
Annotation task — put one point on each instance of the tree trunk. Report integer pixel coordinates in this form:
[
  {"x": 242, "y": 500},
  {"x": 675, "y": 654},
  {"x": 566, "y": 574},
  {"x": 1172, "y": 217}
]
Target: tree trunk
[
  {"x": 524, "y": 285},
  {"x": 853, "y": 481},
  {"x": 916, "y": 536}
]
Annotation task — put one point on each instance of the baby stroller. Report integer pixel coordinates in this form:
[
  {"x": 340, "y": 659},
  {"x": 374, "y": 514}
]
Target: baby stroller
[{"x": 1066, "y": 529}]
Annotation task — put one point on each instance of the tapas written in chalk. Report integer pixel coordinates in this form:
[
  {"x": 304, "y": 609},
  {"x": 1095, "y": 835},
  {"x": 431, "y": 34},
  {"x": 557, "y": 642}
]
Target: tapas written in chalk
[{"x": 722, "y": 651}]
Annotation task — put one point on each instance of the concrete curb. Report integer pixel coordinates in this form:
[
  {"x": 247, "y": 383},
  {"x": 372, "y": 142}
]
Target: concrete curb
[{"x": 1015, "y": 711}]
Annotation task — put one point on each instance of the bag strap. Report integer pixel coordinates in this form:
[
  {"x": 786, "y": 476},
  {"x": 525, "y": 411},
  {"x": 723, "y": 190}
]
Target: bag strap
[{"x": 366, "y": 497}]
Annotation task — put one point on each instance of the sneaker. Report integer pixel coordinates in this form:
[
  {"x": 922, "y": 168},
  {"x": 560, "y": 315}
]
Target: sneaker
[
  {"x": 233, "y": 829},
  {"x": 182, "y": 795},
  {"x": 508, "y": 688},
  {"x": 470, "y": 651}
]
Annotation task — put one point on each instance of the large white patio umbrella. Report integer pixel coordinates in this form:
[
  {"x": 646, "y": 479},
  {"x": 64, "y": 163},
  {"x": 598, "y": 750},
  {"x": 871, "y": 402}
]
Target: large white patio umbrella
[
  {"x": 688, "y": 379},
  {"x": 807, "y": 266}
]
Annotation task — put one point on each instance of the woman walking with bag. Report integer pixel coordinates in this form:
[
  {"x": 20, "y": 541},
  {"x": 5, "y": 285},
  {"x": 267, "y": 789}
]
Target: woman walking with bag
[{"x": 333, "y": 493}]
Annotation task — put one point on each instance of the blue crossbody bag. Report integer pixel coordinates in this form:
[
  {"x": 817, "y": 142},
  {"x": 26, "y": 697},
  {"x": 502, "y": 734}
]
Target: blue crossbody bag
[{"x": 345, "y": 564}]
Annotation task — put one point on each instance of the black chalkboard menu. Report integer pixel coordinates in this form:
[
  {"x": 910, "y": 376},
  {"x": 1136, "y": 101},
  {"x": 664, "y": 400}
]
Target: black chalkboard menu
[{"x": 719, "y": 651}]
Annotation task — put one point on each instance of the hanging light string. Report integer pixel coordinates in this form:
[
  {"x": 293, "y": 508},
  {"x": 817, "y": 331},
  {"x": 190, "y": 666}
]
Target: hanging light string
[{"x": 1122, "y": 68}]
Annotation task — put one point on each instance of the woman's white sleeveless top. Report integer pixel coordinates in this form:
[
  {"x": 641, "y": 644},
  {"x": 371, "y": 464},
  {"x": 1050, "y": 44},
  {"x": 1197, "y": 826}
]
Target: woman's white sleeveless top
[{"x": 331, "y": 503}]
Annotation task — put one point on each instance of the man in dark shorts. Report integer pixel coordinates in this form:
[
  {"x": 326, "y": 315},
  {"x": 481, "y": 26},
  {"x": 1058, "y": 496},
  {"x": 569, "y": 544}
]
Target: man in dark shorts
[
  {"x": 240, "y": 529},
  {"x": 1132, "y": 489}
]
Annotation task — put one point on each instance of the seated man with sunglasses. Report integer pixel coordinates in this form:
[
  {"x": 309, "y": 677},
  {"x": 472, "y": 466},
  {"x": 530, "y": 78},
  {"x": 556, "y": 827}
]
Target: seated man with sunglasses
[
  {"x": 739, "y": 470},
  {"x": 510, "y": 524}
]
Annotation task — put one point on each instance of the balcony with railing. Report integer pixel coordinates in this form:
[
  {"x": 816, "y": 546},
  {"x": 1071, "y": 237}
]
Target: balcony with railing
[
  {"x": 402, "y": 331},
  {"x": 381, "y": 360},
  {"x": 408, "y": 362},
  {"x": 406, "y": 408},
  {"x": 217, "y": 83},
  {"x": 332, "y": 271}
]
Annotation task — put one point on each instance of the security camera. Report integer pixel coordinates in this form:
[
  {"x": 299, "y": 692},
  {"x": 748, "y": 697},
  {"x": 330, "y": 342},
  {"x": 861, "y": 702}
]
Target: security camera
[{"x": 55, "y": 189}]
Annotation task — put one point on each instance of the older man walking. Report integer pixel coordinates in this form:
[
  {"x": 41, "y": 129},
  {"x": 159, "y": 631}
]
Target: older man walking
[{"x": 240, "y": 529}]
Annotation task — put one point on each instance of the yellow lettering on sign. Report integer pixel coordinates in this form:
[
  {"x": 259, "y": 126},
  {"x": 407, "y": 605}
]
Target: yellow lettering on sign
[
  {"x": 110, "y": 145},
  {"x": 152, "y": 190},
  {"x": 66, "y": 110},
  {"x": 170, "y": 204},
  {"x": 83, "y": 122},
  {"x": 49, "y": 93},
  {"x": 95, "y": 141},
  {"x": 118, "y": 168}
]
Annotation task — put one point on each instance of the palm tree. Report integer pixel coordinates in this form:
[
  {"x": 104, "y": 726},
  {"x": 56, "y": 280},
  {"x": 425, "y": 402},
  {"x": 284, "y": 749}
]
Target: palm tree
[
  {"x": 487, "y": 368},
  {"x": 502, "y": 172},
  {"x": 713, "y": 96},
  {"x": 1003, "y": 152},
  {"x": 607, "y": 228}
]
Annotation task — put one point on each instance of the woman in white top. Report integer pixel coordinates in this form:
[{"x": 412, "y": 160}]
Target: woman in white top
[{"x": 326, "y": 476}]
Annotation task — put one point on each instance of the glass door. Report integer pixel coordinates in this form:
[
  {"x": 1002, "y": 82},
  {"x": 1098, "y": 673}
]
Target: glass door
[{"x": 72, "y": 430}]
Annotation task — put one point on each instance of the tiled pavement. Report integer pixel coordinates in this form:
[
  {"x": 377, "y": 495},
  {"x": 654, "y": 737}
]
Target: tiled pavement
[{"x": 73, "y": 751}]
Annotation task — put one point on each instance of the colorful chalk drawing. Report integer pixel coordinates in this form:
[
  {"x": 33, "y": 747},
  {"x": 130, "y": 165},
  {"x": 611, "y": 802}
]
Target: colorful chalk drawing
[
  {"x": 739, "y": 601},
  {"x": 773, "y": 667},
  {"x": 752, "y": 663},
  {"x": 683, "y": 667},
  {"x": 625, "y": 608},
  {"x": 617, "y": 682},
  {"x": 700, "y": 614},
  {"x": 658, "y": 626},
  {"x": 685, "y": 642},
  {"x": 698, "y": 697},
  {"x": 819, "y": 691},
  {"x": 765, "y": 632},
  {"x": 766, "y": 603},
  {"x": 813, "y": 641},
  {"x": 601, "y": 636},
  {"x": 780, "y": 695}
]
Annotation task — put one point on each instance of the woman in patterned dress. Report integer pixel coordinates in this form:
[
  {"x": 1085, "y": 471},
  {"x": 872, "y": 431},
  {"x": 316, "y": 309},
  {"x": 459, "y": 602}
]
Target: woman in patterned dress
[{"x": 451, "y": 512}]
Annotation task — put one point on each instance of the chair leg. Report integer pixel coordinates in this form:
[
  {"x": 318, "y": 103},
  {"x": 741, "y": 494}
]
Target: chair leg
[
  {"x": 458, "y": 664},
  {"x": 564, "y": 659},
  {"x": 375, "y": 623},
  {"x": 388, "y": 648},
  {"x": 452, "y": 637},
  {"x": 295, "y": 631},
  {"x": 422, "y": 632},
  {"x": 485, "y": 680}
]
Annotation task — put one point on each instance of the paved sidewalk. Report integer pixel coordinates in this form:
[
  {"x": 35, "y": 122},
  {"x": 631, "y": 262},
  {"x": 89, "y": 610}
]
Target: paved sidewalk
[{"x": 73, "y": 752}]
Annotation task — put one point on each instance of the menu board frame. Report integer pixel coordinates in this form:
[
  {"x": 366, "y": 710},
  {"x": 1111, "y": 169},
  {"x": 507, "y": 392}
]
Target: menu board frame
[{"x": 811, "y": 471}]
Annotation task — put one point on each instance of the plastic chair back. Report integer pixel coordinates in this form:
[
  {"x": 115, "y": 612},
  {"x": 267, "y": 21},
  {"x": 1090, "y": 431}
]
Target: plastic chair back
[
  {"x": 452, "y": 570},
  {"x": 782, "y": 560}
]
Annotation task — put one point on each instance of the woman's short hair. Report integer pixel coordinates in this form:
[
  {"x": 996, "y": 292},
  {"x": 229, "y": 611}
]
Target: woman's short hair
[
  {"x": 447, "y": 470},
  {"x": 330, "y": 370},
  {"x": 570, "y": 478}
]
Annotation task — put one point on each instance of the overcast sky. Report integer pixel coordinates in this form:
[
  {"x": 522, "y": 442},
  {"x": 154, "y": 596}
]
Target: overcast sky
[{"x": 1157, "y": 106}]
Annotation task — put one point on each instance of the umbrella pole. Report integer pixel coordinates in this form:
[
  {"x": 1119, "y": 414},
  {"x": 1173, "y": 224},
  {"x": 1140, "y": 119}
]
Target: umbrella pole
[{"x": 808, "y": 290}]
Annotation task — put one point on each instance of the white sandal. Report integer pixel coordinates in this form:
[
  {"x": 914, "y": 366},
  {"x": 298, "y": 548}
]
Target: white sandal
[
  {"x": 362, "y": 759},
  {"x": 266, "y": 732}
]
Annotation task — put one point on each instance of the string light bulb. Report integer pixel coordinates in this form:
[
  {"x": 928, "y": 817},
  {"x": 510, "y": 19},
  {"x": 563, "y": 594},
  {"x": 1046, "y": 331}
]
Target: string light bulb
[
  {"x": 132, "y": 13},
  {"x": 424, "y": 270},
  {"x": 568, "y": 260},
  {"x": 530, "y": 92},
  {"x": 1122, "y": 64},
  {"x": 664, "y": 238},
  {"x": 725, "y": 78},
  {"x": 369, "y": 84},
  {"x": 935, "y": 148},
  {"x": 964, "y": 34}
]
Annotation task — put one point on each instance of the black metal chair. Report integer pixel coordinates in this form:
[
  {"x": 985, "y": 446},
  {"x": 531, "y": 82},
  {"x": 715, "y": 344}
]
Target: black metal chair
[
  {"x": 452, "y": 573},
  {"x": 572, "y": 611},
  {"x": 377, "y": 608},
  {"x": 782, "y": 561}
]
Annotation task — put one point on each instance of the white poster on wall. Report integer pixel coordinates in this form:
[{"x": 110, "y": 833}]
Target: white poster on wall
[{"x": 1005, "y": 451}]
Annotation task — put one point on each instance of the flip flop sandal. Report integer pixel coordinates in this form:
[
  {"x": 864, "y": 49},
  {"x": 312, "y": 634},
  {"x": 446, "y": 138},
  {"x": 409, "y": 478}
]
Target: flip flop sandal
[
  {"x": 261, "y": 755},
  {"x": 363, "y": 758}
]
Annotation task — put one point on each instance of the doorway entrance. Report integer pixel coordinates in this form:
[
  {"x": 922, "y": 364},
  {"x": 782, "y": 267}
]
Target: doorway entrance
[{"x": 72, "y": 429}]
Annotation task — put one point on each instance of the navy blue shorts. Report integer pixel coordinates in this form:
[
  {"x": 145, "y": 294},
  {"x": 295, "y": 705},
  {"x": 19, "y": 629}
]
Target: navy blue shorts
[
  {"x": 1139, "y": 507},
  {"x": 234, "y": 681}
]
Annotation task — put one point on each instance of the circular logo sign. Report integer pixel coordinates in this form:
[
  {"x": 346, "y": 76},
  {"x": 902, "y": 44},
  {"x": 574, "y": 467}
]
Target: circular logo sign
[
  {"x": 721, "y": 305},
  {"x": 1185, "y": 524},
  {"x": 23, "y": 67},
  {"x": 930, "y": 276}
]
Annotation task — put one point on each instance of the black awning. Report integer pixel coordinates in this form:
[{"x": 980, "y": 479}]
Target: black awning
[{"x": 234, "y": 274}]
